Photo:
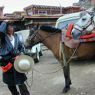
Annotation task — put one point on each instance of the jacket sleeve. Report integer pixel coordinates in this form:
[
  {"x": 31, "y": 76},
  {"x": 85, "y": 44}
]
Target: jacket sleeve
[{"x": 3, "y": 27}]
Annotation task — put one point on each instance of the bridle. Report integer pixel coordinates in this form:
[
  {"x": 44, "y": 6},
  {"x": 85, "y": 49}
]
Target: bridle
[
  {"x": 91, "y": 21},
  {"x": 39, "y": 36}
]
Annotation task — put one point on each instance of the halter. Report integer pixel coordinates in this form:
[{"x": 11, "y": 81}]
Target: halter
[
  {"x": 39, "y": 36},
  {"x": 91, "y": 21}
]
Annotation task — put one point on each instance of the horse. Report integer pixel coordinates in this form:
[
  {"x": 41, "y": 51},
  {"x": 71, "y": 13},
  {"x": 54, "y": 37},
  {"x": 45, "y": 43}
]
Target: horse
[
  {"x": 51, "y": 37},
  {"x": 85, "y": 24}
]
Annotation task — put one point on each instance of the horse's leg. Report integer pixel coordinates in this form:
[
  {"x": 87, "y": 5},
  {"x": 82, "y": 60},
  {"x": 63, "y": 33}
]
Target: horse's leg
[{"x": 66, "y": 70}]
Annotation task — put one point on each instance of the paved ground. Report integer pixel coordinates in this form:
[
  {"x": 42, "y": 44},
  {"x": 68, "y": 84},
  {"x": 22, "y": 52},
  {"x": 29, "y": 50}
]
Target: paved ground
[{"x": 82, "y": 75}]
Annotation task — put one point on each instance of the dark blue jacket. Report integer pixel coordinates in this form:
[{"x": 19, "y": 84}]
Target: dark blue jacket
[
  {"x": 7, "y": 50},
  {"x": 11, "y": 77}
]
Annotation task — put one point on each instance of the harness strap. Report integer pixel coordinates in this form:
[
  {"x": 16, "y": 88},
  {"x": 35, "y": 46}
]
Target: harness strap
[{"x": 69, "y": 29}]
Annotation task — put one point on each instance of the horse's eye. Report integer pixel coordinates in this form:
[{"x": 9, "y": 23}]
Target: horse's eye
[{"x": 83, "y": 19}]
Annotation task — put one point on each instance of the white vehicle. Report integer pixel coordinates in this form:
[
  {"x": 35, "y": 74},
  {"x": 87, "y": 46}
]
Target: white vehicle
[
  {"x": 63, "y": 21},
  {"x": 35, "y": 51}
]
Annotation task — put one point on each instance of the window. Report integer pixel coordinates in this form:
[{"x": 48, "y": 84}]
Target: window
[
  {"x": 30, "y": 13},
  {"x": 42, "y": 12}
]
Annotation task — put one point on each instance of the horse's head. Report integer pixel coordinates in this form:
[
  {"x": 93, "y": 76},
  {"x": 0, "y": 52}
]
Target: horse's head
[
  {"x": 41, "y": 34},
  {"x": 85, "y": 24},
  {"x": 31, "y": 40}
]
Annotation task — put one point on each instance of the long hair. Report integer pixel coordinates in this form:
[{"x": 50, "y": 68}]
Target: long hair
[{"x": 2, "y": 39}]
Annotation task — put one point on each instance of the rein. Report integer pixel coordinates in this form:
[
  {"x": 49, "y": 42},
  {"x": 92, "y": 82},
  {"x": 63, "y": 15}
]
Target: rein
[{"x": 84, "y": 28}]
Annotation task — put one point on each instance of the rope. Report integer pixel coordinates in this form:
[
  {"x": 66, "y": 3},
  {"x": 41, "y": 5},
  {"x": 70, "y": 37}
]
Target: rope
[
  {"x": 48, "y": 72},
  {"x": 65, "y": 63},
  {"x": 30, "y": 84},
  {"x": 64, "y": 57}
]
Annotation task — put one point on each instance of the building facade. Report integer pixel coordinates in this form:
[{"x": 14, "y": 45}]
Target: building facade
[
  {"x": 85, "y": 3},
  {"x": 31, "y": 21},
  {"x": 92, "y": 2},
  {"x": 16, "y": 14},
  {"x": 9, "y": 15},
  {"x": 49, "y": 10},
  {"x": 19, "y": 14},
  {"x": 44, "y": 15},
  {"x": 41, "y": 10}
]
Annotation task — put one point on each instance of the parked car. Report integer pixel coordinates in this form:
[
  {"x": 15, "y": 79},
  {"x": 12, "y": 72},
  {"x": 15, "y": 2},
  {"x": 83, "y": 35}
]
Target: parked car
[
  {"x": 64, "y": 20},
  {"x": 35, "y": 51}
]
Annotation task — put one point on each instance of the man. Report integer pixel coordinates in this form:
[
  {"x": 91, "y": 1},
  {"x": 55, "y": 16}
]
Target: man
[{"x": 11, "y": 47}]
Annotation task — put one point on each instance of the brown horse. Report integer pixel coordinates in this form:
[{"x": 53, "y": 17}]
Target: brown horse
[{"x": 50, "y": 37}]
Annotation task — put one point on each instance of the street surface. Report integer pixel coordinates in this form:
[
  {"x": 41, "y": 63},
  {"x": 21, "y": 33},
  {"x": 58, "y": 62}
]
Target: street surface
[{"x": 82, "y": 75}]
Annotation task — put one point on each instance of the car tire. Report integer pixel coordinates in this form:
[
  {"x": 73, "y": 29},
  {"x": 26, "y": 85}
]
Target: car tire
[
  {"x": 40, "y": 53},
  {"x": 37, "y": 56}
]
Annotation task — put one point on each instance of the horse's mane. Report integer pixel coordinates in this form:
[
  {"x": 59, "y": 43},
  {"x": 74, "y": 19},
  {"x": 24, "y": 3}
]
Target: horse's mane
[{"x": 50, "y": 29}]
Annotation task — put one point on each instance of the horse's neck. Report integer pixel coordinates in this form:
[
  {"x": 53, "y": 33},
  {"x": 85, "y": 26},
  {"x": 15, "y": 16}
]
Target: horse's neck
[{"x": 52, "y": 42}]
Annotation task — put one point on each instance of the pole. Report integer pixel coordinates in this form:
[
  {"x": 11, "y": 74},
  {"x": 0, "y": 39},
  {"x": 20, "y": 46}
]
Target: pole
[{"x": 60, "y": 7}]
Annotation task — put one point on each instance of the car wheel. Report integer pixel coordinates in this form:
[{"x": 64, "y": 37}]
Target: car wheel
[
  {"x": 37, "y": 56},
  {"x": 40, "y": 53}
]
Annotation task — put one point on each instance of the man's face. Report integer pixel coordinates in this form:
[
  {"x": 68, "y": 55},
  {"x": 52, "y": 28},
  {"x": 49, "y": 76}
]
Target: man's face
[{"x": 10, "y": 30}]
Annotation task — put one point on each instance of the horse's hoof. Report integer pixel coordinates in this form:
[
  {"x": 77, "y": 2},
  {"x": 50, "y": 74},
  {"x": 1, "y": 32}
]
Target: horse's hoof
[
  {"x": 70, "y": 83},
  {"x": 66, "y": 89}
]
